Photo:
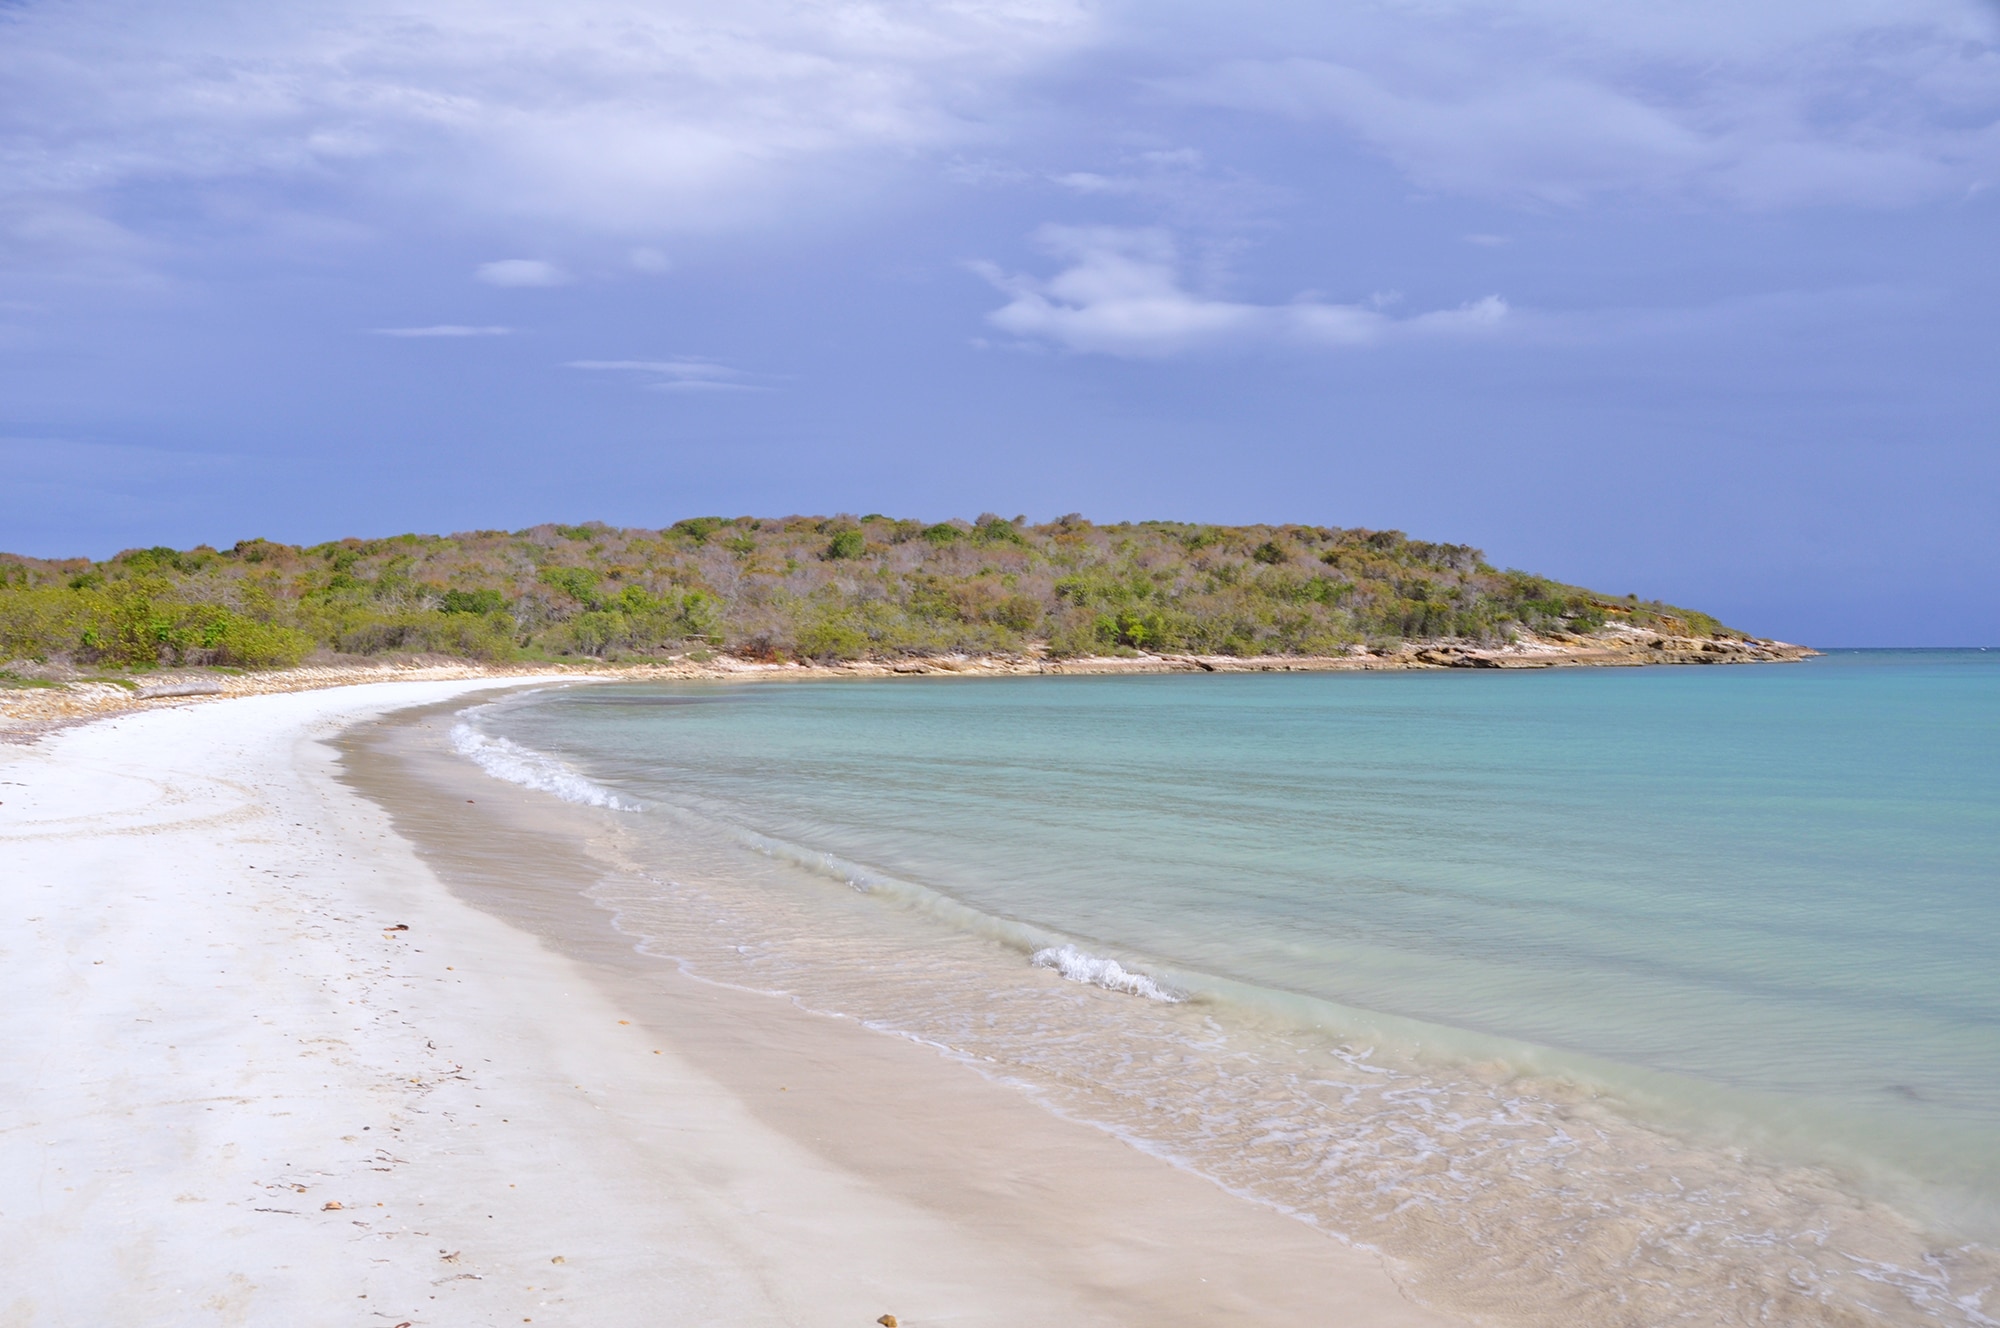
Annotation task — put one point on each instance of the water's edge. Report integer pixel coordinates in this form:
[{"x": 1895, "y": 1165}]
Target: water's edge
[
  {"x": 1519, "y": 1115},
  {"x": 1076, "y": 1211}
]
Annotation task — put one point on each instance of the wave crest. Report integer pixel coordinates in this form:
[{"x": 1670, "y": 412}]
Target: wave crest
[
  {"x": 503, "y": 758},
  {"x": 1078, "y": 966}
]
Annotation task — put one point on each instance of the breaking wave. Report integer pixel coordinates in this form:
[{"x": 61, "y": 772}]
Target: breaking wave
[
  {"x": 1045, "y": 950},
  {"x": 503, "y": 758},
  {"x": 1109, "y": 974}
]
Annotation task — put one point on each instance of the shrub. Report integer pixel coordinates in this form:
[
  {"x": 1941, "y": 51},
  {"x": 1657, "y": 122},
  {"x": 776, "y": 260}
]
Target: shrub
[
  {"x": 790, "y": 586},
  {"x": 699, "y": 528},
  {"x": 596, "y": 631},
  {"x": 473, "y": 601},
  {"x": 700, "y": 614},
  {"x": 992, "y": 529},
  {"x": 832, "y": 636},
  {"x": 1017, "y": 613},
  {"x": 140, "y": 623},
  {"x": 261, "y": 550},
  {"x": 228, "y": 638},
  {"x": 488, "y": 637},
  {"x": 579, "y": 583},
  {"x": 43, "y": 624}
]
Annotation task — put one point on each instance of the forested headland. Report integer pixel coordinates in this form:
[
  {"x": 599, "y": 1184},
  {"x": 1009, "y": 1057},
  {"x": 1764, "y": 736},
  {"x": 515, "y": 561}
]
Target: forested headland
[{"x": 798, "y": 588}]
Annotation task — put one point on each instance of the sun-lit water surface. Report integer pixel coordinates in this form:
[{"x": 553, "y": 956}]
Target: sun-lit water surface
[{"x": 1758, "y": 904}]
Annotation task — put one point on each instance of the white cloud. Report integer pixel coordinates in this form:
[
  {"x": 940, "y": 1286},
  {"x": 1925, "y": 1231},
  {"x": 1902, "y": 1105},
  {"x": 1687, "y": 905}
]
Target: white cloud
[
  {"x": 597, "y": 124},
  {"x": 1090, "y": 182},
  {"x": 42, "y": 235},
  {"x": 1180, "y": 189},
  {"x": 1122, "y": 293},
  {"x": 442, "y": 330},
  {"x": 612, "y": 116},
  {"x": 1879, "y": 102},
  {"x": 521, "y": 272},
  {"x": 588, "y": 127},
  {"x": 681, "y": 375},
  {"x": 650, "y": 261}
]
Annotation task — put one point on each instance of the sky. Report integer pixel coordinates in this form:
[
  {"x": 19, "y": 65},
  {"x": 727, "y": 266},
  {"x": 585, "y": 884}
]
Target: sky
[{"x": 1691, "y": 299}]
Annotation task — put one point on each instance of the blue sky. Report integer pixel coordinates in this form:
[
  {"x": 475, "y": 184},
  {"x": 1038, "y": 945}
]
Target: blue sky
[{"x": 1686, "y": 298}]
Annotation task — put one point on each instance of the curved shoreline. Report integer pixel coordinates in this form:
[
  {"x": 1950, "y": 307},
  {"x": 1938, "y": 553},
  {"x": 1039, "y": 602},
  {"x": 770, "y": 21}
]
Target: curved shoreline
[
  {"x": 1519, "y": 1185},
  {"x": 26, "y": 713},
  {"x": 273, "y": 1068}
]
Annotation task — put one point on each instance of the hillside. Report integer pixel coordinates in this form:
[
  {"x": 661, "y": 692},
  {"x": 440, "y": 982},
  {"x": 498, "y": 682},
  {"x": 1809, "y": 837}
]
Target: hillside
[{"x": 807, "y": 588}]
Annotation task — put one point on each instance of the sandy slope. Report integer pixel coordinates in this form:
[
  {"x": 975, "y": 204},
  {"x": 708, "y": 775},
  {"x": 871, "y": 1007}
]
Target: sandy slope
[{"x": 235, "y": 1094}]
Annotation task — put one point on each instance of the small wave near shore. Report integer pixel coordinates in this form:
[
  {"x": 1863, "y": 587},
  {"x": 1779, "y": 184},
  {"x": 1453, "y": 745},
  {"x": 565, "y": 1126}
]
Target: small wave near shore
[
  {"x": 503, "y": 758},
  {"x": 1078, "y": 966},
  {"x": 1509, "y": 1186}
]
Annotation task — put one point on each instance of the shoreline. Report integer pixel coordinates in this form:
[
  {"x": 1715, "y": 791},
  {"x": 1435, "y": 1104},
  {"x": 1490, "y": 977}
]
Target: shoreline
[
  {"x": 330, "y": 1088},
  {"x": 26, "y": 713},
  {"x": 1513, "y": 1183}
]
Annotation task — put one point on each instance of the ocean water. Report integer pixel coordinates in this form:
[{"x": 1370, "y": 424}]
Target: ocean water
[{"x": 1613, "y": 996}]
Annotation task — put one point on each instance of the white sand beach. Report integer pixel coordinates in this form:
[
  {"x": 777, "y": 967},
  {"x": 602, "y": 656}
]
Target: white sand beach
[{"x": 263, "y": 1067}]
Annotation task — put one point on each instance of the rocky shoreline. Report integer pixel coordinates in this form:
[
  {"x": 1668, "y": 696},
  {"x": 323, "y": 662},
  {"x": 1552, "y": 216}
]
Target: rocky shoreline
[{"x": 55, "y": 697}]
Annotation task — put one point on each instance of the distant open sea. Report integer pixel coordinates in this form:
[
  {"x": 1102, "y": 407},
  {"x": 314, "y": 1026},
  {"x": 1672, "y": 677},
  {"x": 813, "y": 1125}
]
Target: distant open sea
[{"x": 1636, "y": 995}]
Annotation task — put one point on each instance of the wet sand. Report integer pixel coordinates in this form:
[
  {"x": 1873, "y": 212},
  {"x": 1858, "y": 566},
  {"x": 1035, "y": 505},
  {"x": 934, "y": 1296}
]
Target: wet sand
[{"x": 279, "y": 1055}]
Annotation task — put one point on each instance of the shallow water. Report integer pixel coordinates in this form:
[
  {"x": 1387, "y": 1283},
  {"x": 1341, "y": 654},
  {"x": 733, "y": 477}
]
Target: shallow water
[{"x": 1625, "y": 996}]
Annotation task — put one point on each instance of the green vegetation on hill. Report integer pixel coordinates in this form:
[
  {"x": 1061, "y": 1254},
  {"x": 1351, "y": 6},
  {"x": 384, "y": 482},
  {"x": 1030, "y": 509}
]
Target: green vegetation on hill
[{"x": 797, "y": 587}]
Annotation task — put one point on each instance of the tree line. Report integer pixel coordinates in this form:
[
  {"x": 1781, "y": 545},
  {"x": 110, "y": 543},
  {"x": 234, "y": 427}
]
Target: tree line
[{"x": 816, "y": 588}]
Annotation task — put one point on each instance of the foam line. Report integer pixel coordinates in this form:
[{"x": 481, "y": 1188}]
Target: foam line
[
  {"x": 1078, "y": 966},
  {"x": 503, "y": 758}
]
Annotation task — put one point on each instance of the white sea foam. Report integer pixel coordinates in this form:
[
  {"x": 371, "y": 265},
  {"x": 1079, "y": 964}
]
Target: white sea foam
[
  {"x": 1074, "y": 964},
  {"x": 1078, "y": 966},
  {"x": 503, "y": 758}
]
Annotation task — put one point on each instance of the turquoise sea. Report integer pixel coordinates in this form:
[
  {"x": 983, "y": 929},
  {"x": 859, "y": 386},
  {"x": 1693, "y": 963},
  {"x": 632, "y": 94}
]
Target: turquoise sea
[{"x": 1683, "y": 966}]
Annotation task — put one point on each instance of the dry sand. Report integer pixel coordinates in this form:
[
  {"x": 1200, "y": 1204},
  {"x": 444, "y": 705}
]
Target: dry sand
[{"x": 238, "y": 1091}]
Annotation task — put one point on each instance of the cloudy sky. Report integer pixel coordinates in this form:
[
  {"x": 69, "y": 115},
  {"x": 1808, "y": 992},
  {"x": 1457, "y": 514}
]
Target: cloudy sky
[{"x": 1689, "y": 298}]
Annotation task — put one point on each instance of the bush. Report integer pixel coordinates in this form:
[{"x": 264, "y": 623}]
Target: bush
[
  {"x": 597, "y": 631},
  {"x": 769, "y": 588},
  {"x": 579, "y": 583},
  {"x": 232, "y": 639},
  {"x": 991, "y": 529},
  {"x": 700, "y": 614},
  {"x": 140, "y": 623},
  {"x": 699, "y": 528},
  {"x": 44, "y": 624},
  {"x": 1017, "y": 613},
  {"x": 473, "y": 601},
  {"x": 473, "y": 636},
  {"x": 832, "y": 636}
]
